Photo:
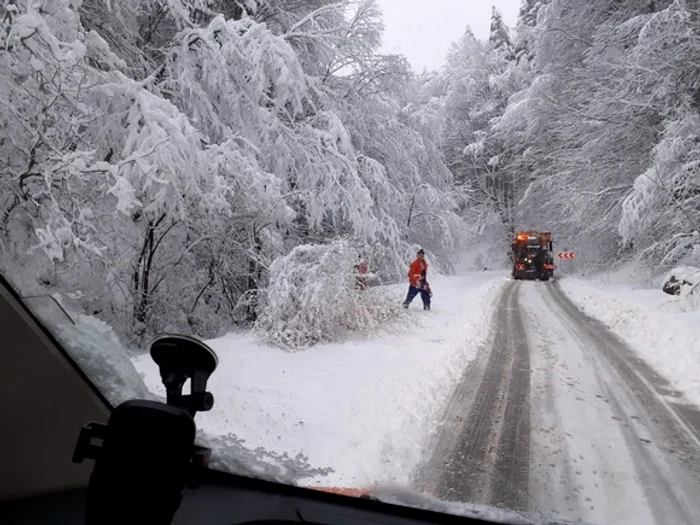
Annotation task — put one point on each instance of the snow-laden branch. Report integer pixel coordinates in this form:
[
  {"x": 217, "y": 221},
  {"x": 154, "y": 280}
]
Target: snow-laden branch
[{"x": 311, "y": 17}]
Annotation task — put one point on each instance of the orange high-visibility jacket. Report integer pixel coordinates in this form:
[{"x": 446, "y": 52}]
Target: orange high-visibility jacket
[{"x": 415, "y": 270}]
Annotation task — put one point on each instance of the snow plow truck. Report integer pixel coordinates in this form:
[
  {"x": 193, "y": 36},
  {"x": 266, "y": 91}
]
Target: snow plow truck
[{"x": 532, "y": 256}]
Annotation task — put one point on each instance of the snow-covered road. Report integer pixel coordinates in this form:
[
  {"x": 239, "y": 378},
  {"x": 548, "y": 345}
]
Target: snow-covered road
[
  {"x": 365, "y": 407},
  {"x": 506, "y": 394},
  {"x": 558, "y": 417}
]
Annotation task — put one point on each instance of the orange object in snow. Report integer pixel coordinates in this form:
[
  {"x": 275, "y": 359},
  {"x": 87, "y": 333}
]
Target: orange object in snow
[{"x": 415, "y": 272}]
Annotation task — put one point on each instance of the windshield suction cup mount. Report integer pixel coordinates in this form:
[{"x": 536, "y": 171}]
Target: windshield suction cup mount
[
  {"x": 181, "y": 358},
  {"x": 146, "y": 454}
]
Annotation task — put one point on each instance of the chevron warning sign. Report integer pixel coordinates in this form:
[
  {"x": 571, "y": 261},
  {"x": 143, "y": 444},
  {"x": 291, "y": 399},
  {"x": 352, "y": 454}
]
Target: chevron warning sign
[{"x": 566, "y": 255}]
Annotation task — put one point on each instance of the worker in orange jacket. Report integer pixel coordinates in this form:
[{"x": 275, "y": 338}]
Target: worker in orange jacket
[{"x": 418, "y": 281}]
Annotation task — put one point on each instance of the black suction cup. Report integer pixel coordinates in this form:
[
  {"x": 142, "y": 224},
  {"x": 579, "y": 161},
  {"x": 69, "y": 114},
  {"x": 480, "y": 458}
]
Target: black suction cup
[{"x": 180, "y": 358}]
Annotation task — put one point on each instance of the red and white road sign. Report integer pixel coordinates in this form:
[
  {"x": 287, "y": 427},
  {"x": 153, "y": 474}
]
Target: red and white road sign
[{"x": 566, "y": 255}]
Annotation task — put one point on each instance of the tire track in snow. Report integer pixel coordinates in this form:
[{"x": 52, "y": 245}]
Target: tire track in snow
[
  {"x": 606, "y": 444},
  {"x": 682, "y": 422},
  {"x": 487, "y": 461},
  {"x": 663, "y": 443}
]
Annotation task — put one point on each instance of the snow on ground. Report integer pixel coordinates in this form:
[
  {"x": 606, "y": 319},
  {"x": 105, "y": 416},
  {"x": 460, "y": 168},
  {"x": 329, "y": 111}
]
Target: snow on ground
[
  {"x": 367, "y": 407},
  {"x": 581, "y": 466},
  {"x": 661, "y": 328}
]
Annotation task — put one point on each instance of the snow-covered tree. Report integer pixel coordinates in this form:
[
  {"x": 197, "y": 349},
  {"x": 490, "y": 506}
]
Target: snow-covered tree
[
  {"x": 581, "y": 130},
  {"x": 526, "y": 32},
  {"x": 589, "y": 130},
  {"x": 529, "y": 11},
  {"x": 481, "y": 78},
  {"x": 660, "y": 215},
  {"x": 163, "y": 155},
  {"x": 499, "y": 36},
  {"x": 51, "y": 179}
]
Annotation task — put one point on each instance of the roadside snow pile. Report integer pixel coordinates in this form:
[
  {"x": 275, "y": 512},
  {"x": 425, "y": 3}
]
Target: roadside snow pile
[
  {"x": 666, "y": 341},
  {"x": 97, "y": 350},
  {"x": 367, "y": 408},
  {"x": 312, "y": 298},
  {"x": 682, "y": 280}
]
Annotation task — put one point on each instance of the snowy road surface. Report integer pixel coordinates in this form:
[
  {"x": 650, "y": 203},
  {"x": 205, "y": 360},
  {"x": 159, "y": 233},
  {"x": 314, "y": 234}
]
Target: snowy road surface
[
  {"x": 558, "y": 417},
  {"x": 364, "y": 407},
  {"x": 554, "y": 414}
]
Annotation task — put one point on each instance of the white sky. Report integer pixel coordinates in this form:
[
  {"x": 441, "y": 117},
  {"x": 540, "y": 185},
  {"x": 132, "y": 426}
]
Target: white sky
[{"x": 423, "y": 30}]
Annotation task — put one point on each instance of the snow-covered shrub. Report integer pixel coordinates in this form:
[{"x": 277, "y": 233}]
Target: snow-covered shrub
[
  {"x": 312, "y": 298},
  {"x": 682, "y": 280}
]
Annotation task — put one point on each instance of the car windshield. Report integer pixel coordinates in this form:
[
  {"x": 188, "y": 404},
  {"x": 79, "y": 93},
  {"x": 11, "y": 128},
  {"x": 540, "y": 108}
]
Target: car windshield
[{"x": 336, "y": 196}]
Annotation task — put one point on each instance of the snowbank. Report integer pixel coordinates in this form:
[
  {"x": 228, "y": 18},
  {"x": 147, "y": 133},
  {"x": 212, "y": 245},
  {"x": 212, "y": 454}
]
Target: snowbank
[
  {"x": 365, "y": 408},
  {"x": 652, "y": 323},
  {"x": 683, "y": 280},
  {"x": 96, "y": 348}
]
